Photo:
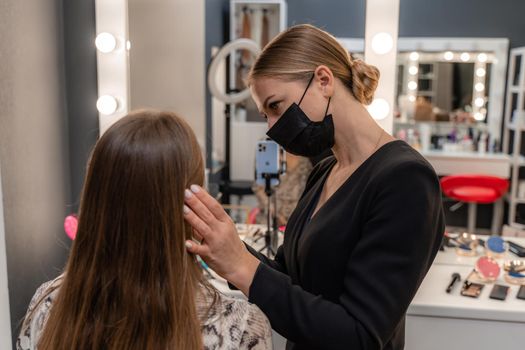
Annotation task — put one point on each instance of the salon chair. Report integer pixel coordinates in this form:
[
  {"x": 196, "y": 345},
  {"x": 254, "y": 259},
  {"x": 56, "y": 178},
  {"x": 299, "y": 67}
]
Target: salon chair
[{"x": 477, "y": 189}]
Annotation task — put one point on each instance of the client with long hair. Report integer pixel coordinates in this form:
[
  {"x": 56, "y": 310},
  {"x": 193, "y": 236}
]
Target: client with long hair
[{"x": 129, "y": 282}]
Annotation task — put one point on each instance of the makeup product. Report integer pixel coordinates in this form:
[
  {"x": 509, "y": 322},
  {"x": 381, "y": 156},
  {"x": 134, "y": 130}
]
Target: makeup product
[
  {"x": 515, "y": 271},
  {"x": 468, "y": 244},
  {"x": 499, "y": 292},
  {"x": 521, "y": 293},
  {"x": 513, "y": 277},
  {"x": 487, "y": 268},
  {"x": 516, "y": 249},
  {"x": 472, "y": 290},
  {"x": 495, "y": 247},
  {"x": 455, "y": 278}
]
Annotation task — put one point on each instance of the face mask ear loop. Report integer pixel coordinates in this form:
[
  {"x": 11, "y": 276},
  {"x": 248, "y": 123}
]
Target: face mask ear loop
[
  {"x": 328, "y": 105},
  {"x": 307, "y": 86}
]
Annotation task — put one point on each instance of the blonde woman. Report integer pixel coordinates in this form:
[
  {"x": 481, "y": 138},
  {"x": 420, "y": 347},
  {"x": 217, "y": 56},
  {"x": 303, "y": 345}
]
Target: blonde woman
[
  {"x": 369, "y": 222},
  {"x": 129, "y": 282}
]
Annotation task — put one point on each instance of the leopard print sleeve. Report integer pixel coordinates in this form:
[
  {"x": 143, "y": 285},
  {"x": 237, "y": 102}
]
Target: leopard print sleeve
[{"x": 258, "y": 333}]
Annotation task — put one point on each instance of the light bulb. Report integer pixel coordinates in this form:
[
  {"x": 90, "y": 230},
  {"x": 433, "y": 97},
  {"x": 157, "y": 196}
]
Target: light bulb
[
  {"x": 382, "y": 43},
  {"x": 107, "y": 104},
  {"x": 480, "y": 72},
  {"x": 465, "y": 56},
  {"x": 106, "y": 42},
  {"x": 479, "y": 116},
  {"x": 449, "y": 55},
  {"x": 128, "y": 45},
  {"x": 482, "y": 57},
  {"x": 414, "y": 56},
  {"x": 479, "y": 102},
  {"x": 379, "y": 109},
  {"x": 412, "y": 85},
  {"x": 479, "y": 87},
  {"x": 413, "y": 70},
  {"x": 412, "y": 98}
]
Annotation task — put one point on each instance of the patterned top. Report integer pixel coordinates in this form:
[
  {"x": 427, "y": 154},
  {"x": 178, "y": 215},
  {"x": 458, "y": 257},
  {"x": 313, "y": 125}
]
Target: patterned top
[{"x": 232, "y": 324}]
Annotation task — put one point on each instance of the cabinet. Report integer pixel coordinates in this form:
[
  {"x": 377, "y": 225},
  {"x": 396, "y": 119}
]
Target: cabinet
[
  {"x": 260, "y": 21},
  {"x": 513, "y": 132}
]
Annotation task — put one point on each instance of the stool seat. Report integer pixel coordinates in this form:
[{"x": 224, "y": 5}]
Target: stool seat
[
  {"x": 476, "y": 189},
  {"x": 474, "y": 194}
]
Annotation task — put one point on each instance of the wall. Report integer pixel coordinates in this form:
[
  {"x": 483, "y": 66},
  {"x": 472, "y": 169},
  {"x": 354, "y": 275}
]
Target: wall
[
  {"x": 167, "y": 58},
  {"x": 465, "y": 18},
  {"x": 34, "y": 153},
  {"x": 5, "y": 325},
  {"x": 342, "y": 18},
  {"x": 81, "y": 89}
]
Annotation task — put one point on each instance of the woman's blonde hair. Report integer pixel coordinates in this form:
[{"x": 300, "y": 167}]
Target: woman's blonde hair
[{"x": 295, "y": 53}]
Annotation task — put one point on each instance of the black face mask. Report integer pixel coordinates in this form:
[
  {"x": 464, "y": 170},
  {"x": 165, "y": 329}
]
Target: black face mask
[{"x": 301, "y": 136}]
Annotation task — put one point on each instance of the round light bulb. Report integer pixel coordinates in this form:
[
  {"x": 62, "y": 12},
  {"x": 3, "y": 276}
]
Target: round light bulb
[
  {"x": 412, "y": 85},
  {"x": 479, "y": 116},
  {"x": 106, "y": 42},
  {"x": 449, "y": 55},
  {"x": 412, "y": 98},
  {"x": 412, "y": 70},
  {"x": 107, "y": 104},
  {"x": 379, "y": 109},
  {"x": 482, "y": 57},
  {"x": 382, "y": 43},
  {"x": 465, "y": 56},
  {"x": 480, "y": 72},
  {"x": 479, "y": 87},
  {"x": 479, "y": 102},
  {"x": 414, "y": 56}
]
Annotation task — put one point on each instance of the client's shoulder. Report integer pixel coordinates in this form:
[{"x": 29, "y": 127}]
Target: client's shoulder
[{"x": 235, "y": 321}]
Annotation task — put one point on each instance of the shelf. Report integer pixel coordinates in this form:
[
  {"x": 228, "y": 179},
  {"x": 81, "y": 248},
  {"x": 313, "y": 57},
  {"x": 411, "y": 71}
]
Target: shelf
[
  {"x": 519, "y": 200},
  {"x": 512, "y": 126}
]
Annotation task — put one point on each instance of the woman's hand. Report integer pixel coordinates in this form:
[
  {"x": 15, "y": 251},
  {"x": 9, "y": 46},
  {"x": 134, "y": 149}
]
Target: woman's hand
[{"x": 221, "y": 248}]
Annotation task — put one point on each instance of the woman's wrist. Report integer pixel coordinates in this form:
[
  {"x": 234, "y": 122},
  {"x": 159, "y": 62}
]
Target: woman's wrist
[{"x": 242, "y": 276}]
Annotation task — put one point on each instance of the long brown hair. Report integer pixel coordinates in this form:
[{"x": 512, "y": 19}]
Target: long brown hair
[
  {"x": 129, "y": 282},
  {"x": 296, "y": 52}
]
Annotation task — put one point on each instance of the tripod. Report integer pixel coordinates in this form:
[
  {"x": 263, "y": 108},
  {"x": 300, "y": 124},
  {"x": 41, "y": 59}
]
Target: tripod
[{"x": 270, "y": 236}]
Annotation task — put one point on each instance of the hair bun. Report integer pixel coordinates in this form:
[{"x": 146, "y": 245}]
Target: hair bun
[{"x": 365, "y": 78}]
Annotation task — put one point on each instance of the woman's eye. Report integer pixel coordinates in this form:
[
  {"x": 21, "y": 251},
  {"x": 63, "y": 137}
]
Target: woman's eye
[{"x": 274, "y": 106}]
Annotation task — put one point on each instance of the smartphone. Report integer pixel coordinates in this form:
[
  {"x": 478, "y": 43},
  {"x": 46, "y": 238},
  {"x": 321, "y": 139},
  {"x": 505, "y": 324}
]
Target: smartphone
[
  {"x": 499, "y": 292},
  {"x": 521, "y": 293},
  {"x": 516, "y": 249},
  {"x": 267, "y": 162}
]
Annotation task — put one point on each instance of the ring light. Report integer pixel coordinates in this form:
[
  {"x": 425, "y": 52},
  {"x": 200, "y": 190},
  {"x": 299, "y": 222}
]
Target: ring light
[{"x": 229, "y": 48}]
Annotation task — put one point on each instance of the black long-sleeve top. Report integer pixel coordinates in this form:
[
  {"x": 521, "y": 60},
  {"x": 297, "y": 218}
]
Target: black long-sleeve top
[{"x": 344, "y": 278}]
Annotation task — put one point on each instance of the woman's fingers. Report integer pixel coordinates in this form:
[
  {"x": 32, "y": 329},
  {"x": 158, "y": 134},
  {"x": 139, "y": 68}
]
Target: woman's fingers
[
  {"x": 211, "y": 204},
  {"x": 197, "y": 235},
  {"x": 196, "y": 248},
  {"x": 198, "y": 207},
  {"x": 199, "y": 226}
]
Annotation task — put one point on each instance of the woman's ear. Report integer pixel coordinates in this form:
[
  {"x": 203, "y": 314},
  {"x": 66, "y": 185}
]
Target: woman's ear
[{"x": 324, "y": 78}]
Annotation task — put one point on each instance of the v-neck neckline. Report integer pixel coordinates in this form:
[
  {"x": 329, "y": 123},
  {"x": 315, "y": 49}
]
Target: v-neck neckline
[{"x": 319, "y": 190}]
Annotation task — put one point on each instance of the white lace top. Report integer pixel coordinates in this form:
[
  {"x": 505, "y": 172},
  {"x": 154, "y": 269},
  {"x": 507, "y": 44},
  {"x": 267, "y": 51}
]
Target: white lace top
[{"x": 233, "y": 324}]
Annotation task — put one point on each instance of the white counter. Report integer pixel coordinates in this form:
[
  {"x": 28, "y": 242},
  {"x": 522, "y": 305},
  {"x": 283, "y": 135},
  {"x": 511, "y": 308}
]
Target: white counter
[
  {"x": 448, "y": 163},
  {"x": 437, "y": 320}
]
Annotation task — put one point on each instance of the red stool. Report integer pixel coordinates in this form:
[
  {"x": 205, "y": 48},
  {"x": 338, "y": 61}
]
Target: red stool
[{"x": 477, "y": 189}]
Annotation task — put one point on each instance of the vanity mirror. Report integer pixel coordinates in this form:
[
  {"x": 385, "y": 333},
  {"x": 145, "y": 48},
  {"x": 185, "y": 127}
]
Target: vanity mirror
[{"x": 451, "y": 90}]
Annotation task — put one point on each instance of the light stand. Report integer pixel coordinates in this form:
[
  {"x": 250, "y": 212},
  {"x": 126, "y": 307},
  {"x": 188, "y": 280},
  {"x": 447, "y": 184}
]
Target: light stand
[{"x": 270, "y": 236}]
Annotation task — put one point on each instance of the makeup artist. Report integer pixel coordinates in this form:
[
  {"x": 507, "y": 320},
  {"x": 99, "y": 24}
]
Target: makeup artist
[{"x": 368, "y": 224}]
